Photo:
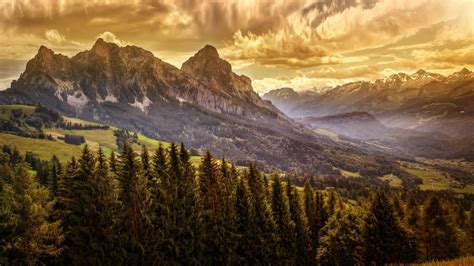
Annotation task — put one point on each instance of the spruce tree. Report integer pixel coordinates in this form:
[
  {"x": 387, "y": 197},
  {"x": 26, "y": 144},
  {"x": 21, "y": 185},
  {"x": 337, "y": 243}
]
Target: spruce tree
[
  {"x": 302, "y": 244},
  {"x": 113, "y": 162},
  {"x": 385, "y": 239},
  {"x": 267, "y": 241},
  {"x": 312, "y": 219},
  {"x": 284, "y": 225},
  {"x": 245, "y": 227},
  {"x": 210, "y": 187},
  {"x": 439, "y": 236},
  {"x": 145, "y": 158},
  {"x": 55, "y": 173},
  {"x": 469, "y": 239},
  {"x": 28, "y": 237},
  {"x": 86, "y": 205},
  {"x": 340, "y": 242},
  {"x": 136, "y": 206},
  {"x": 160, "y": 164}
]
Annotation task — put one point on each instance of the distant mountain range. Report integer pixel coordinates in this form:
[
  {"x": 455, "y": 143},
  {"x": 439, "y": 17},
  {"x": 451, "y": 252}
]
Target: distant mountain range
[
  {"x": 422, "y": 101},
  {"x": 204, "y": 104}
]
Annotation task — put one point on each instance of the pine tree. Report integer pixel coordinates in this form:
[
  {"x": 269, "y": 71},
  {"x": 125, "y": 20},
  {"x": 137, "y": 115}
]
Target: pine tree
[
  {"x": 189, "y": 222},
  {"x": 284, "y": 225},
  {"x": 439, "y": 236},
  {"x": 55, "y": 173},
  {"x": 27, "y": 236},
  {"x": 267, "y": 241},
  {"x": 160, "y": 164},
  {"x": 312, "y": 219},
  {"x": 145, "y": 157},
  {"x": 113, "y": 162},
  {"x": 331, "y": 203},
  {"x": 301, "y": 256},
  {"x": 210, "y": 187},
  {"x": 469, "y": 229},
  {"x": 340, "y": 242},
  {"x": 385, "y": 239},
  {"x": 245, "y": 228},
  {"x": 86, "y": 205},
  {"x": 136, "y": 205}
]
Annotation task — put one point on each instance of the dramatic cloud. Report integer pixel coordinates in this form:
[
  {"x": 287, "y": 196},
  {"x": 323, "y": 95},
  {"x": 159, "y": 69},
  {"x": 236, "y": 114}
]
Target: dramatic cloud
[
  {"x": 110, "y": 37},
  {"x": 299, "y": 43},
  {"x": 54, "y": 36}
]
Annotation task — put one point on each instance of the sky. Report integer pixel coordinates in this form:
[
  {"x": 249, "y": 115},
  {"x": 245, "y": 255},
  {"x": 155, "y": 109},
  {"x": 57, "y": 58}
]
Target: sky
[{"x": 303, "y": 44}]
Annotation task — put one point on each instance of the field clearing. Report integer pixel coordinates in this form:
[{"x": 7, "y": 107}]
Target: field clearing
[
  {"x": 6, "y": 110},
  {"x": 348, "y": 173},
  {"x": 328, "y": 133},
  {"x": 393, "y": 180},
  {"x": 44, "y": 148}
]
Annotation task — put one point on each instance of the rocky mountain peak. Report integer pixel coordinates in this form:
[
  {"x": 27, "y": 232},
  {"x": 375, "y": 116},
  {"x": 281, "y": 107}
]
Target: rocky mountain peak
[
  {"x": 103, "y": 48},
  {"x": 421, "y": 72},
  {"x": 46, "y": 61},
  {"x": 207, "y": 63},
  {"x": 215, "y": 72},
  {"x": 44, "y": 51},
  {"x": 464, "y": 71},
  {"x": 284, "y": 92},
  {"x": 208, "y": 52}
]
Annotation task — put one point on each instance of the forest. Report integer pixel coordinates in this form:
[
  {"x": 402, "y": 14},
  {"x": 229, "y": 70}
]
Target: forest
[{"x": 157, "y": 208}]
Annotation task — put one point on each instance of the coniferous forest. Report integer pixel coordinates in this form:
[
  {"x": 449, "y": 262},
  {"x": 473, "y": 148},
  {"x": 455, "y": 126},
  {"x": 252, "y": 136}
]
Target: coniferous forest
[{"x": 157, "y": 208}]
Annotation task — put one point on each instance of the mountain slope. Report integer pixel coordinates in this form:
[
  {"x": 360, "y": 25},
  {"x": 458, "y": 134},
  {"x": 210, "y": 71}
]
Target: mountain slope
[{"x": 205, "y": 105}]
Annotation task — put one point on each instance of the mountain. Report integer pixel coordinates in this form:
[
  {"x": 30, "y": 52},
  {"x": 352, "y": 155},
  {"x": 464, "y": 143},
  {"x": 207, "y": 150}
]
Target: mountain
[
  {"x": 423, "y": 101},
  {"x": 203, "y": 104},
  {"x": 364, "y": 126},
  {"x": 285, "y": 99},
  {"x": 359, "y": 125}
]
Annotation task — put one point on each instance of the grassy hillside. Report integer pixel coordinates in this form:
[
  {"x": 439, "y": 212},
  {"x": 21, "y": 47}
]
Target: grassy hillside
[{"x": 95, "y": 138}]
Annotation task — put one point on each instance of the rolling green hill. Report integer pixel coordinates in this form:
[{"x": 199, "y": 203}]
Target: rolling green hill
[{"x": 46, "y": 148}]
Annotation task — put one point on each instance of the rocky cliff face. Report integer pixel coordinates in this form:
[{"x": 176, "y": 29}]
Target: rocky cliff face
[{"x": 131, "y": 75}]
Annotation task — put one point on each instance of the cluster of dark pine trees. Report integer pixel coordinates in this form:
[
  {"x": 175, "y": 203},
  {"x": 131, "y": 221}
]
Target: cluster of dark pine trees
[{"x": 154, "y": 209}]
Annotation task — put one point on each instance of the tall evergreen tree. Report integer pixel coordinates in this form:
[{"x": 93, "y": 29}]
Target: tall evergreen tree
[
  {"x": 160, "y": 164},
  {"x": 135, "y": 213},
  {"x": 245, "y": 227},
  {"x": 113, "y": 162},
  {"x": 55, "y": 173},
  {"x": 28, "y": 238},
  {"x": 284, "y": 225},
  {"x": 300, "y": 254},
  {"x": 145, "y": 158},
  {"x": 385, "y": 239},
  {"x": 210, "y": 187},
  {"x": 267, "y": 242},
  {"x": 312, "y": 219},
  {"x": 439, "y": 236},
  {"x": 86, "y": 207},
  {"x": 340, "y": 242}
]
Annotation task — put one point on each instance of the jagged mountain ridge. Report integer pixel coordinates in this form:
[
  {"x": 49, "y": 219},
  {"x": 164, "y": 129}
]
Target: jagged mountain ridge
[
  {"x": 205, "y": 105},
  {"x": 422, "y": 101}
]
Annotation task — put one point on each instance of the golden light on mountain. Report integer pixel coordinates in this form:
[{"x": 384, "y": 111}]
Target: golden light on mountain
[{"x": 297, "y": 43}]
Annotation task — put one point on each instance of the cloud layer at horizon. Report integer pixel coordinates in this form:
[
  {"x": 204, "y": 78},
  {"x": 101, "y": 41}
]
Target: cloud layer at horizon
[{"x": 298, "y": 43}]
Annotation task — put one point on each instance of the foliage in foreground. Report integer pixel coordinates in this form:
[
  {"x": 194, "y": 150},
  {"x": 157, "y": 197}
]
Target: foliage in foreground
[{"x": 156, "y": 208}]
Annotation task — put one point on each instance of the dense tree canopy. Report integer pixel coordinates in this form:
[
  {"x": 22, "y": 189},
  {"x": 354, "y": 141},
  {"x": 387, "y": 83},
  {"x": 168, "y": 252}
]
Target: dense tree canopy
[{"x": 159, "y": 208}]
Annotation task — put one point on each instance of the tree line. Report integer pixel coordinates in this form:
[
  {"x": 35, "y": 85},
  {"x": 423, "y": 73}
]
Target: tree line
[{"x": 157, "y": 208}]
